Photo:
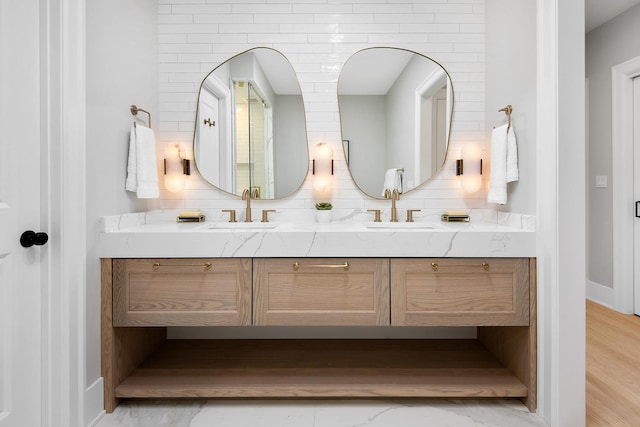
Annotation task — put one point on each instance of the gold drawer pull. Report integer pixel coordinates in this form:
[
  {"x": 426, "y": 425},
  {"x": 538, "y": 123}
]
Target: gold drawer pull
[
  {"x": 206, "y": 265},
  {"x": 484, "y": 265},
  {"x": 345, "y": 265}
]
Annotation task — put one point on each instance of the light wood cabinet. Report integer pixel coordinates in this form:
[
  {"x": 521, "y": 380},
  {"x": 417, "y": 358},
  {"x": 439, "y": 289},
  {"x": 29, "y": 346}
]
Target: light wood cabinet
[
  {"x": 321, "y": 292},
  {"x": 182, "y": 292},
  {"x": 453, "y": 291},
  {"x": 139, "y": 301}
]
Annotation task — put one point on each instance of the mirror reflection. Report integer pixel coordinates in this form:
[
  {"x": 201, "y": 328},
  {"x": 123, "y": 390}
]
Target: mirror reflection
[
  {"x": 250, "y": 126},
  {"x": 395, "y": 112}
]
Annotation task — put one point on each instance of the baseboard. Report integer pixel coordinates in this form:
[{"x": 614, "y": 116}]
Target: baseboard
[
  {"x": 94, "y": 403},
  {"x": 600, "y": 294}
]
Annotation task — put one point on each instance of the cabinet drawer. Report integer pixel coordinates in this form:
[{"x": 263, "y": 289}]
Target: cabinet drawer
[
  {"x": 321, "y": 291},
  {"x": 181, "y": 292},
  {"x": 451, "y": 291}
]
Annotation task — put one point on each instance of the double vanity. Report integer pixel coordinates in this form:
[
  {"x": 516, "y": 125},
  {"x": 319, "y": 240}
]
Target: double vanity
[
  {"x": 306, "y": 276},
  {"x": 272, "y": 286}
]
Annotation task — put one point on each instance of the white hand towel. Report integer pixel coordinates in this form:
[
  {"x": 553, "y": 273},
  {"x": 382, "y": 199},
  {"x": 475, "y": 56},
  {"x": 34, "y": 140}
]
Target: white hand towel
[
  {"x": 512, "y": 156},
  {"x": 392, "y": 180},
  {"x": 142, "y": 174},
  {"x": 498, "y": 179}
]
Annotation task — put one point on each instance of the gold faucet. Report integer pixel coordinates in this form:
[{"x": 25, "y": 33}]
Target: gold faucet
[
  {"x": 394, "y": 196},
  {"x": 247, "y": 195}
]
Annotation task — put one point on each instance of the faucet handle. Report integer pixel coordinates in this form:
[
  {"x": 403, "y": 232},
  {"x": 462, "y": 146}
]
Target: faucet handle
[
  {"x": 232, "y": 214},
  {"x": 410, "y": 214},
  {"x": 376, "y": 214},
  {"x": 265, "y": 214}
]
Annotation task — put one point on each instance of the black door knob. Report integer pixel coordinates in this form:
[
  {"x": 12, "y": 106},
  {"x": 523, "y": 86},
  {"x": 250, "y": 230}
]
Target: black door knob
[{"x": 30, "y": 238}]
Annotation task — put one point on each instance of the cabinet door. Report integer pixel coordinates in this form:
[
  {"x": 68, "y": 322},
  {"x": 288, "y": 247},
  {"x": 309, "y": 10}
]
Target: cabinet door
[
  {"x": 453, "y": 291},
  {"x": 181, "y": 292},
  {"x": 321, "y": 291}
]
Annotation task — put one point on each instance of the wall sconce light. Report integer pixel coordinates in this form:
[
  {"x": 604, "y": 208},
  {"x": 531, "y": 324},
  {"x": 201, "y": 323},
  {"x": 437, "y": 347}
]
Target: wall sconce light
[
  {"x": 471, "y": 175},
  {"x": 322, "y": 168},
  {"x": 323, "y": 159},
  {"x": 176, "y": 169}
]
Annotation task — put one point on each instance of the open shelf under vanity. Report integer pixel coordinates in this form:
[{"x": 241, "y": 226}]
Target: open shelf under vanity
[{"x": 320, "y": 368}]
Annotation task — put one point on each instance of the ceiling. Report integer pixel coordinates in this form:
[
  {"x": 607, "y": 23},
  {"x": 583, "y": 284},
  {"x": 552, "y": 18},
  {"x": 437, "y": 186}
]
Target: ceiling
[{"x": 600, "y": 11}]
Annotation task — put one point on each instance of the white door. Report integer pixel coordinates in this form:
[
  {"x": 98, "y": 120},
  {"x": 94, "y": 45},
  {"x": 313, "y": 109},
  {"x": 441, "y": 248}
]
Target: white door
[
  {"x": 20, "y": 274},
  {"x": 636, "y": 193}
]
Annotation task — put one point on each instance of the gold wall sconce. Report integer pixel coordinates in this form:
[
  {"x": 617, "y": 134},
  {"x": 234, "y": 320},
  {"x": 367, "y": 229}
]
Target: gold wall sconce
[
  {"x": 471, "y": 175},
  {"x": 322, "y": 168},
  {"x": 176, "y": 169}
]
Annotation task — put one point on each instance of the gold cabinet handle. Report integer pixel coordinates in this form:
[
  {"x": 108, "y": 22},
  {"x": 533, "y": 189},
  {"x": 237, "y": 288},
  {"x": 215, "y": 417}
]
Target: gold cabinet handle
[
  {"x": 206, "y": 265},
  {"x": 484, "y": 265},
  {"x": 345, "y": 265}
]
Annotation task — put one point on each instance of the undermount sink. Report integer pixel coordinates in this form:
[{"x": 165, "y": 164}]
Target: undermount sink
[
  {"x": 401, "y": 225},
  {"x": 241, "y": 225}
]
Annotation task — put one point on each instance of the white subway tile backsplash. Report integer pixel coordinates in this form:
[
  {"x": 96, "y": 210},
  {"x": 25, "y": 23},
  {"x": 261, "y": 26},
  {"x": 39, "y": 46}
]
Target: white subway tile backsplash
[
  {"x": 318, "y": 36},
  {"x": 405, "y": 8},
  {"x": 282, "y": 18},
  {"x": 195, "y": 9}
]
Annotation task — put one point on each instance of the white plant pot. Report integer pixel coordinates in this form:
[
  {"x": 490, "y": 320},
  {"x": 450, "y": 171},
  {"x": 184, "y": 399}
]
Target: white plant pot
[{"x": 323, "y": 216}]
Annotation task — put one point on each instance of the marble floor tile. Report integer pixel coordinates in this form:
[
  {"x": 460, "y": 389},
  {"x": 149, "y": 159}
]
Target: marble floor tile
[{"x": 322, "y": 413}]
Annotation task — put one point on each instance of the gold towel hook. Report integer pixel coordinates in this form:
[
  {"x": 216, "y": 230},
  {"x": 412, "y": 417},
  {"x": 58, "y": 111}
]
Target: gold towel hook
[
  {"x": 134, "y": 110},
  {"x": 507, "y": 110}
]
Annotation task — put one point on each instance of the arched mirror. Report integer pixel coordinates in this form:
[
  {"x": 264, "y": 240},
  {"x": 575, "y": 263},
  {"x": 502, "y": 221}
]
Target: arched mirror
[
  {"x": 250, "y": 126},
  {"x": 395, "y": 112}
]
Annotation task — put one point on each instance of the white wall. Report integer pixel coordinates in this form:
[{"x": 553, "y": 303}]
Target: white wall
[
  {"x": 318, "y": 38},
  {"x": 610, "y": 44},
  {"x": 121, "y": 69},
  {"x": 511, "y": 79}
]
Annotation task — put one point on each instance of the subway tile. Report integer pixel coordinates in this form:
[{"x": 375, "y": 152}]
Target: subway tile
[
  {"x": 443, "y": 8},
  {"x": 323, "y": 8},
  {"x": 399, "y": 8},
  {"x": 309, "y": 28},
  {"x": 262, "y": 8},
  {"x": 217, "y": 38},
  {"x": 194, "y": 57},
  {"x": 369, "y": 28},
  {"x": 342, "y": 18},
  {"x": 277, "y": 38},
  {"x": 283, "y": 18},
  {"x": 188, "y": 28},
  {"x": 249, "y": 28},
  {"x": 177, "y": 68},
  {"x": 222, "y": 18},
  {"x": 201, "y": 8},
  {"x": 460, "y": 18},
  {"x": 418, "y": 18},
  {"x": 184, "y": 47},
  {"x": 172, "y": 2},
  {"x": 338, "y": 38}
]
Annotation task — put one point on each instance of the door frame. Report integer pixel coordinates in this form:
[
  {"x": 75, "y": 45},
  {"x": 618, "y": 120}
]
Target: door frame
[
  {"x": 622, "y": 182},
  {"x": 63, "y": 118}
]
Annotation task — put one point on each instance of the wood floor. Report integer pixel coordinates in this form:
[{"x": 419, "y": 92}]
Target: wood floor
[{"x": 613, "y": 367}]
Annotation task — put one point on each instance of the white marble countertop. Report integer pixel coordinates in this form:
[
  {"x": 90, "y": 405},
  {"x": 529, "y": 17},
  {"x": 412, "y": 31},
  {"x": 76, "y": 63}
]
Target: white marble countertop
[{"x": 148, "y": 235}]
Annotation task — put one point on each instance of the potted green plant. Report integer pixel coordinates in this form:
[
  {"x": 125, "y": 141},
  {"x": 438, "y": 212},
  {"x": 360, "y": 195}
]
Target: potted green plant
[{"x": 323, "y": 211}]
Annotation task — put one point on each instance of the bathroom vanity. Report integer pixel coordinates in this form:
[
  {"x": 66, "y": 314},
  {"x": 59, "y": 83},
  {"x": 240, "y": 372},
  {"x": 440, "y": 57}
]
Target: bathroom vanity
[{"x": 156, "y": 276}]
